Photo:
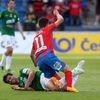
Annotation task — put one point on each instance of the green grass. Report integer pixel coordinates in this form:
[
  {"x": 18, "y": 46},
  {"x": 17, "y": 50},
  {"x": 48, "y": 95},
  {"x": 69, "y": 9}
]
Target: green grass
[{"x": 88, "y": 83}]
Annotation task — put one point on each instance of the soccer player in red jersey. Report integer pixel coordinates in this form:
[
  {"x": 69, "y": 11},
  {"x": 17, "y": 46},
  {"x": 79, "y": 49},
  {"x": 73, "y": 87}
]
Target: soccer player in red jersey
[{"x": 42, "y": 53}]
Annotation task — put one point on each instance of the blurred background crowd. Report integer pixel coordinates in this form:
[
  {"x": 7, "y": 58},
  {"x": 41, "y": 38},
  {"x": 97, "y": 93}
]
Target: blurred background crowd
[{"x": 78, "y": 14}]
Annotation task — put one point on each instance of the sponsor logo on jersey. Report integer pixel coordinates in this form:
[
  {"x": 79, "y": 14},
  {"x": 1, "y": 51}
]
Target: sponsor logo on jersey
[{"x": 57, "y": 65}]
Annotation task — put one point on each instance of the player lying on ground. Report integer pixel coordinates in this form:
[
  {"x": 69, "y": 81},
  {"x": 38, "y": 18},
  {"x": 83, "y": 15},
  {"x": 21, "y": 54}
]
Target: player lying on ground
[{"x": 30, "y": 80}]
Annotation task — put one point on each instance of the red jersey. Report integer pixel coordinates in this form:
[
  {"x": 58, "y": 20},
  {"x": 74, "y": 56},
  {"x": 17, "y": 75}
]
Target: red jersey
[
  {"x": 43, "y": 41},
  {"x": 37, "y": 5},
  {"x": 59, "y": 6},
  {"x": 74, "y": 8}
]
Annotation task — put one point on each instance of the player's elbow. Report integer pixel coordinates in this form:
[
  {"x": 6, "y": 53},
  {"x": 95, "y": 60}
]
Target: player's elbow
[
  {"x": 31, "y": 56},
  {"x": 61, "y": 19},
  {"x": 31, "y": 74}
]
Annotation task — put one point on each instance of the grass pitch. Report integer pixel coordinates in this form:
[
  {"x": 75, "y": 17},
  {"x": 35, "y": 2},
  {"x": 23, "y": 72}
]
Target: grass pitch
[{"x": 88, "y": 83}]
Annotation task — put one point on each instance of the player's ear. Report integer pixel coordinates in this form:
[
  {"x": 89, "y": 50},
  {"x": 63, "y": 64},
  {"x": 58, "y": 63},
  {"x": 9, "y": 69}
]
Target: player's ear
[{"x": 14, "y": 5}]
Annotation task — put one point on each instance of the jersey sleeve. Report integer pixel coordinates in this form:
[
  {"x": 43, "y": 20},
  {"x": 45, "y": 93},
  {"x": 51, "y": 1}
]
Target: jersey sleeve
[
  {"x": 52, "y": 26},
  {"x": 33, "y": 47},
  {"x": 24, "y": 71},
  {"x": 17, "y": 18}
]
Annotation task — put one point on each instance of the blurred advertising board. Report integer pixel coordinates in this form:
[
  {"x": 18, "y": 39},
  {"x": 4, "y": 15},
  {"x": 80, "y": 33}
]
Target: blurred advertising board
[
  {"x": 21, "y": 46},
  {"x": 77, "y": 43},
  {"x": 64, "y": 42}
]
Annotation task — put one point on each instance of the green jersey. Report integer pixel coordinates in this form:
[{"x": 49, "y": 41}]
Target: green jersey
[
  {"x": 9, "y": 19},
  {"x": 35, "y": 83}
]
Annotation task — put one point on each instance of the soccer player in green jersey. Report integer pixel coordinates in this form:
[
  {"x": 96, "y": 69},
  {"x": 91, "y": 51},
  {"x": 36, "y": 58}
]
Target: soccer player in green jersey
[
  {"x": 30, "y": 80},
  {"x": 9, "y": 19}
]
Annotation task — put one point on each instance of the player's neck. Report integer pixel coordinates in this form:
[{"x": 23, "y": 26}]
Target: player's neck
[{"x": 10, "y": 10}]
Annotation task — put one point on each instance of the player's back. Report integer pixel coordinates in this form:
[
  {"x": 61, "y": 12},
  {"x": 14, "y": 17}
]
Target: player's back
[{"x": 43, "y": 40}]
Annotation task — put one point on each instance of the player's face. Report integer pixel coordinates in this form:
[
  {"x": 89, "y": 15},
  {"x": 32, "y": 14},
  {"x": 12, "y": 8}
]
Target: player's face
[
  {"x": 11, "y": 79},
  {"x": 11, "y": 5}
]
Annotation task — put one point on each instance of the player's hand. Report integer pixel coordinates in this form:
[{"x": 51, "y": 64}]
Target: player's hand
[
  {"x": 15, "y": 87},
  {"x": 55, "y": 12},
  {"x": 29, "y": 89},
  {"x": 24, "y": 37}
]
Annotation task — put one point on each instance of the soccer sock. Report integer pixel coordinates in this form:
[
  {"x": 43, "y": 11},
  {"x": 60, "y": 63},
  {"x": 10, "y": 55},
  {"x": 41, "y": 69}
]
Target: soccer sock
[
  {"x": 75, "y": 78},
  {"x": 3, "y": 60},
  {"x": 68, "y": 78},
  {"x": 8, "y": 62},
  {"x": 73, "y": 72}
]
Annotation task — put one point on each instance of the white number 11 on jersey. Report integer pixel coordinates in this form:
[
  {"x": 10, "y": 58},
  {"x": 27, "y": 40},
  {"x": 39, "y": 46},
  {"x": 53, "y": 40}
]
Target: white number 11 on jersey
[{"x": 40, "y": 37}]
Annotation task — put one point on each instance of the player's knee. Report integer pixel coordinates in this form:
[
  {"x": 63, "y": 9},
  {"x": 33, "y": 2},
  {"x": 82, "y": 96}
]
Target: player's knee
[
  {"x": 66, "y": 68},
  {"x": 9, "y": 51}
]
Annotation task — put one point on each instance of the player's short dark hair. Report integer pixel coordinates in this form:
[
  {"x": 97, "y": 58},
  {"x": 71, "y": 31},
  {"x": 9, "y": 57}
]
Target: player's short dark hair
[
  {"x": 11, "y": 0},
  {"x": 43, "y": 22},
  {"x": 5, "y": 77}
]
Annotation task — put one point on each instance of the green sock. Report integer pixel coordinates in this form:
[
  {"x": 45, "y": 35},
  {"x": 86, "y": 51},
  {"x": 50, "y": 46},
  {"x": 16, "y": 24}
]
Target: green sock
[{"x": 73, "y": 72}]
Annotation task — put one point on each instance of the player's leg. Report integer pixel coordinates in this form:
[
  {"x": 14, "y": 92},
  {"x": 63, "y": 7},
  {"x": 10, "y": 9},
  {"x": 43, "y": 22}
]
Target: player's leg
[
  {"x": 8, "y": 53},
  {"x": 60, "y": 66},
  {"x": 57, "y": 76},
  {"x": 79, "y": 68},
  {"x": 3, "y": 59},
  {"x": 57, "y": 65},
  {"x": 75, "y": 73},
  {"x": 74, "y": 81},
  {"x": 7, "y": 56},
  {"x": 46, "y": 69},
  {"x": 48, "y": 83}
]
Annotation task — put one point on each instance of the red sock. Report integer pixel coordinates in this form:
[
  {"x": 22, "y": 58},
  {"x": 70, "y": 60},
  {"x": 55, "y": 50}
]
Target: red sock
[
  {"x": 57, "y": 76},
  {"x": 68, "y": 78}
]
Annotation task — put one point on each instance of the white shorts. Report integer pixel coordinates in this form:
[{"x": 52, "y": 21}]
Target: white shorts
[
  {"x": 8, "y": 41},
  {"x": 44, "y": 81}
]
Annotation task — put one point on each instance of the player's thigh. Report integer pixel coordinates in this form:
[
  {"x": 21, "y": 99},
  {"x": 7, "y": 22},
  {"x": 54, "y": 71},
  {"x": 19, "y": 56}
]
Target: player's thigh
[
  {"x": 46, "y": 83},
  {"x": 50, "y": 85},
  {"x": 7, "y": 41},
  {"x": 47, "y": 70},
  {"x": 55, "y": 63}
]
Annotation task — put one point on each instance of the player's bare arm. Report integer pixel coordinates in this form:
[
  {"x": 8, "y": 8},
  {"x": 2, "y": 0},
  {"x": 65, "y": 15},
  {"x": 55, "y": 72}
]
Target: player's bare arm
[
  {"x": 60, "y": 18},
  {"x": 16, "y": 87},
  {"x": 32, "y": 56},
  {"x": 31, "y": 76},
  {"x": 20, "y": 29}
]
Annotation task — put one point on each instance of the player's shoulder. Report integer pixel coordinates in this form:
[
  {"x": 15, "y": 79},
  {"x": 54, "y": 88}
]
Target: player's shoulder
[
  {"x": 51, "y": 25},
  {"x": 15, "y": 12},
  {"x": 39, "y": 32},
  {"x": 3, "y": 11},
  {"x": 24, "y": 70}
]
